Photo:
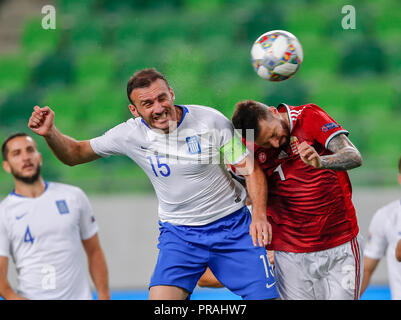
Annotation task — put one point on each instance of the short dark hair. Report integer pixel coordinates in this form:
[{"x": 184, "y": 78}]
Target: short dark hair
[
  {"x": 247, "y": 115},
  {"x": 142, "y": 79},
  {"x": 4, "y": 150}
]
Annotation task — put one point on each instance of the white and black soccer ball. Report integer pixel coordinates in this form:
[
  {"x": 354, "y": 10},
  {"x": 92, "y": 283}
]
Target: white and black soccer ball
[{"x": 276, "y": 55}]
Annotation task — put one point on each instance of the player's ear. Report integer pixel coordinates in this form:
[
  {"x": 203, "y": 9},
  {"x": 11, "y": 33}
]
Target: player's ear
[
  {"x": 399, "y": 178},
  {"x": 273, "y": 110},
  {"x": 133, "y": 110},
  {"x": 172, "y": 93},
  {"x": 6, "y": 167}
]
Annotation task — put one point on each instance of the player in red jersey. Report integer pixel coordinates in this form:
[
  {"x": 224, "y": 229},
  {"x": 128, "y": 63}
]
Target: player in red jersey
[{"x": 305, "y": 154}]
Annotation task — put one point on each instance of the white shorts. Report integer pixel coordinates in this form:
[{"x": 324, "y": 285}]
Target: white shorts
[{"x": 332, "y": 274}]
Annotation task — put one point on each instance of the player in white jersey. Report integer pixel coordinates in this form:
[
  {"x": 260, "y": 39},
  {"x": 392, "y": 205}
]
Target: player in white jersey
[
  {"x": 202, "y": 212},
  {"x": 43, "y": 227},
  {"x": 385, "y": 240}
]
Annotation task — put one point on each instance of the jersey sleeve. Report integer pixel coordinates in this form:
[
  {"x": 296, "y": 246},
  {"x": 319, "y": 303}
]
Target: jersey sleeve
[
  {"x": 321, "y": 126},
  {"x": 4, "y": 240},
  {"x": 230, "y": 142},
  {"x": 377, "y": 243},
  {"x": 110, "y": 142},
  {"x": 87, "y": 223}
]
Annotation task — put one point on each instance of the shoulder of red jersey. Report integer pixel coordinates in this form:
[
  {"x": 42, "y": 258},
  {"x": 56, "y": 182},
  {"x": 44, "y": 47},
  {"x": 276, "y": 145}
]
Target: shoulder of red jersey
[
  {"x": 316, "y": 122},
  {"x": 297, "y": 112}
]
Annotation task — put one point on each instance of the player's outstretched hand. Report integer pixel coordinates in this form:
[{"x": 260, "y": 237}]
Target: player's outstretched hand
[
  {"x": 41, "y": 120},
  {"x": 260, "y": 231},
  {"x": 309, "y": 155}
]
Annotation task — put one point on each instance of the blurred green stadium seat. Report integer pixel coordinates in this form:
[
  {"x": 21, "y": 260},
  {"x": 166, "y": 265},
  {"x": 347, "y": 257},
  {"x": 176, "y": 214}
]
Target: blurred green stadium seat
[
  {"x": 14, "y": 72},
  {"x": 94, "y": 66},
  {"x": 67, "y": 104},
  {"x": 88, "y": 110},
  {"x": 54, "y": 69},
  {"x": 253, "y": 20},
  {"x": 221, "y": 24},
  {"x": 136, "y": 5},
  {"x": 206, "y": 6},
  {"x": 291, "y": 92},
  {"x": 16, "y": 109},
  {"x": 76, "y": 7},
  {"x": 103, "y": 107},
  {"x": 35, "y": 39},
  {"x": 387, "y": 20},
  {"x": 297, "y": 23},
  {"x": 384, "y": 131},
  {"x": 135, "y": 56},
  {"x": 363, "y": 57},
  {"x": 321, "y": 58},
  {"x": 128, "y": 31},
  {"x": 88, "y": 33}
]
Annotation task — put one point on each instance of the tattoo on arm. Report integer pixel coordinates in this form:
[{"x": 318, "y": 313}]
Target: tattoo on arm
[{"x": 345, "y": 155}]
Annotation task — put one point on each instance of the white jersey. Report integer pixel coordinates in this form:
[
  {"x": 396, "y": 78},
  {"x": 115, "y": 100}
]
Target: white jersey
[
  {"x": 43, "y": 236},
  {"x": 384, "y": 233},
  {"x": 192, "y": 184}
]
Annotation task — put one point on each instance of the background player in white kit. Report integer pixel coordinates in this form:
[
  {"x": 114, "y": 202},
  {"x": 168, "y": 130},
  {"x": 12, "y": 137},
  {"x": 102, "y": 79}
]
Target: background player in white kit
[
  {"x": 203, "y": 217},
  {"x": 385, "y": 240},
  {"x": 43, "y": 226}
]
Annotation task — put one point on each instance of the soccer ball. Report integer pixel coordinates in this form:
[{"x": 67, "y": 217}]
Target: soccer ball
[{"x": 276, "y": 55}]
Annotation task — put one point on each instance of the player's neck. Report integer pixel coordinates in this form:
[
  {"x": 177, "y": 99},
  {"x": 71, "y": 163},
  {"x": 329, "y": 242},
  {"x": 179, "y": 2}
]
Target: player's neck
[
  {"x": 179, "y": 112},
  {"x": 33, "y": 190}
]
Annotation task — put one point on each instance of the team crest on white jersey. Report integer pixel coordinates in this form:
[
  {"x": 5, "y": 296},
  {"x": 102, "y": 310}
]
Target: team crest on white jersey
[
  {"x": 193, "y": 144},
  {"x": 62, "y": 207}
]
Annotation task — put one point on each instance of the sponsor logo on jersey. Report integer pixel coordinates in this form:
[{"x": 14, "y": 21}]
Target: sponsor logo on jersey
[
  {"x": 62, "y": 207},
  {"x": 193, "y": 144},
  {"x": 282, "y": 154},
  {"x": 329, "y": 126},
  {"x": 21, "y": 216}
]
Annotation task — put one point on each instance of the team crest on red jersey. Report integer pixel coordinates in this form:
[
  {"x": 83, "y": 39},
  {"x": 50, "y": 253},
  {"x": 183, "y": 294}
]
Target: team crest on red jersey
[
  {"x": 262, "y": 157},
  {"x": 294, "y": 142}
]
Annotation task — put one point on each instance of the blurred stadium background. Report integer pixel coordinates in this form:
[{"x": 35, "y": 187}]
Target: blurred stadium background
[{"x": 80, "y": 69}]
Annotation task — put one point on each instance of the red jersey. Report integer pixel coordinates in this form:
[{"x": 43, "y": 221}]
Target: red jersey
[{"x": 309, "y": 209}]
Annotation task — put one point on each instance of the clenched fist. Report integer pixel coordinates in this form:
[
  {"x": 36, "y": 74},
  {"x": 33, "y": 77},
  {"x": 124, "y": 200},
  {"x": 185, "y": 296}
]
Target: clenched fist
[
  {"x": 41, "y": 121},
  {"x": 309, "y": 155}
]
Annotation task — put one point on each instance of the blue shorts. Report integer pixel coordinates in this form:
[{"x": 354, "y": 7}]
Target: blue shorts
[{"x": 225, "y": 246}]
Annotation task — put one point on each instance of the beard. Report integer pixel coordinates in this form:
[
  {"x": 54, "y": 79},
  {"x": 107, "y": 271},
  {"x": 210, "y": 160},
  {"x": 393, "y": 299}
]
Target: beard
[
  {"x": 30, "y": 179},
  {"x": 286, "y": 129}
]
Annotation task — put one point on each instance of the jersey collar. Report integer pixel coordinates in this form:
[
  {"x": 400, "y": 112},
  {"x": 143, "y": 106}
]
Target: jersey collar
[
  {"x": 288, "y": 112},
  {"x": 13, "y": 193}
]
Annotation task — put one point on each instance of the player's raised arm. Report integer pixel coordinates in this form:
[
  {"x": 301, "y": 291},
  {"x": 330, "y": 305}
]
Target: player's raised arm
[
  {"x": 260, "y": 229},
  {"x": 67, "y": 149},
  {"x": 345, "y": 155}
]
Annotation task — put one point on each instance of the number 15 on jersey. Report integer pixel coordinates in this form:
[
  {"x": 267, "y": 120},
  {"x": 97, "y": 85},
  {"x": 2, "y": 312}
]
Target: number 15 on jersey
[{"x": 162, "y": 168}]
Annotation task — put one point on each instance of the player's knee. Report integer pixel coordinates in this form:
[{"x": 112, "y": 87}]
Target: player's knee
[{"x": 167, "y": 293}]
